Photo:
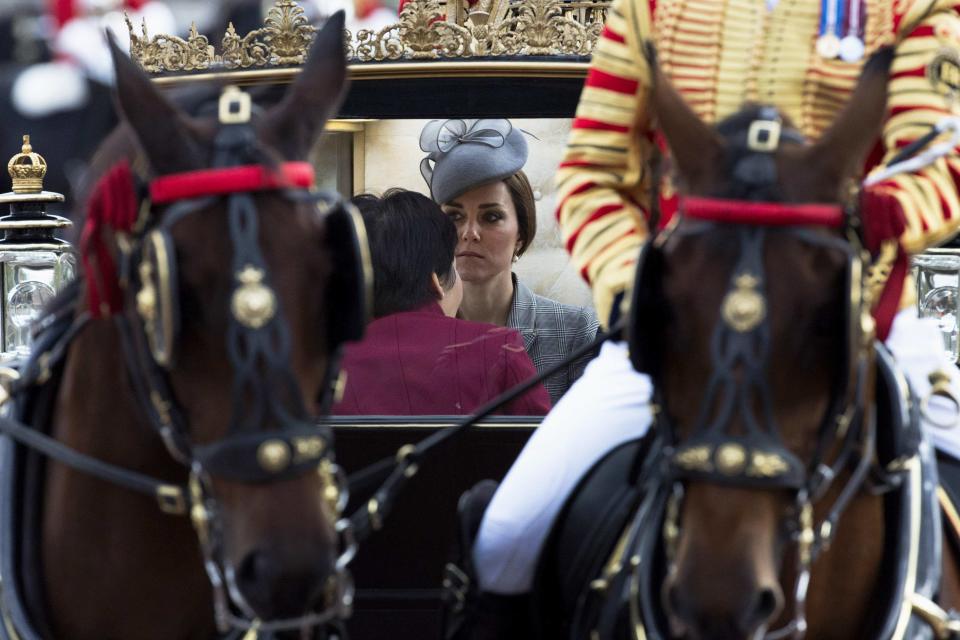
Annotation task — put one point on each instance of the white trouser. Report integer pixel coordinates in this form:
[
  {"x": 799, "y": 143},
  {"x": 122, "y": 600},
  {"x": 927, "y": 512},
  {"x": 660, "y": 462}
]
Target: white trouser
[{"x": 609, "y": 405}]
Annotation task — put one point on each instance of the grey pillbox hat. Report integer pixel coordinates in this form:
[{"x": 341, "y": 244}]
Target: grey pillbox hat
[{"x": 463, "y": 154}]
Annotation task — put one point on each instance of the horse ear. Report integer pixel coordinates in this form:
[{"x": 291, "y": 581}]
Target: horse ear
[
  {"x": 841, "y": 150},
  {"x": 316, "y": 94},
  {"x": 696, "y": 149},
  {"x": 160, "y": 127}
]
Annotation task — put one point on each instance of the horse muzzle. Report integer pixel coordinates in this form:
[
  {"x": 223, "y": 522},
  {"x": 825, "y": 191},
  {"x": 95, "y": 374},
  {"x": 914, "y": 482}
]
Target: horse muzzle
[{"x": 747, "y": 616}]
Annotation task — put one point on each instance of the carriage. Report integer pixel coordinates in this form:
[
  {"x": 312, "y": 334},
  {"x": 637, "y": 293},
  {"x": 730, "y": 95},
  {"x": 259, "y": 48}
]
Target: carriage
[{"x": 523, "y": 60}]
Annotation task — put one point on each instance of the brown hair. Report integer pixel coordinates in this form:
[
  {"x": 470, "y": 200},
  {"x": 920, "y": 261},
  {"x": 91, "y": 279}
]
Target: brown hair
[{"x": 522, "y": 195}]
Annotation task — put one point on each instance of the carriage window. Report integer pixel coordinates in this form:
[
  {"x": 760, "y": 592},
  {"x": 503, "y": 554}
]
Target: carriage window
[
  {"x": 338, "y": 157},
  {"x": 375, "y": 155},
  {"x": 466, "y": 366}
]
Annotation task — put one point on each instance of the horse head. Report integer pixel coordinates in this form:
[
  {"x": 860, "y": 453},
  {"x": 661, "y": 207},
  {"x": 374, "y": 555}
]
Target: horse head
[
  {"x": 241, "y": 282},
  {"x": 743, "y": 318}
]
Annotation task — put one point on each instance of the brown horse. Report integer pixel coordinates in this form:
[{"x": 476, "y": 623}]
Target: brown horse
[
  {"x": 748, "y": 512},
  {"x": 253, "y": 285},
  {"x": 733, "y": 548}
]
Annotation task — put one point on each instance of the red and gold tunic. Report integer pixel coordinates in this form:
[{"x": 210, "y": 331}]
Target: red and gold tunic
[{"x": 721, "y": 54}]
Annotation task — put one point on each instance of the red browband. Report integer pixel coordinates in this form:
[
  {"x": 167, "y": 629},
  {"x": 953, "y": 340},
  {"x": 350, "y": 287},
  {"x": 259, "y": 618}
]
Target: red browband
[
  {"x": 217, "y": 182},
  {"x": 762, "y": 213}
]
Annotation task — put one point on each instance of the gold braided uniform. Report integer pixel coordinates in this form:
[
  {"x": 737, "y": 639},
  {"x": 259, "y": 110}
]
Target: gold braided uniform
[{"x": 720, "y": 54}]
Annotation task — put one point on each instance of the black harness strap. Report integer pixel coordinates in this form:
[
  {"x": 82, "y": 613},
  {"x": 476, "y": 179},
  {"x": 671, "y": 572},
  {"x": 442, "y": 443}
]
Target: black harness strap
[{"x": 54, "y": 337}]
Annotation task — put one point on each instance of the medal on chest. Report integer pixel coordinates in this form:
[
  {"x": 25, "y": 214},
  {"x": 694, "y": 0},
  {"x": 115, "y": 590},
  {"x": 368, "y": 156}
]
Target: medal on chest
[{"x": 836, "y": 17}]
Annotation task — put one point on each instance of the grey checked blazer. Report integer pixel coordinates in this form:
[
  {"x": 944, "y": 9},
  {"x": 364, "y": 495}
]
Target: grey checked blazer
[{"x": 550, "y": 331}]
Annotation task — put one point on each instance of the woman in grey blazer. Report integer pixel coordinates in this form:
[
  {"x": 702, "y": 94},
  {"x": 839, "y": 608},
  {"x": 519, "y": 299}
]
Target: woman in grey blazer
[{"x": 474, "y": 171}]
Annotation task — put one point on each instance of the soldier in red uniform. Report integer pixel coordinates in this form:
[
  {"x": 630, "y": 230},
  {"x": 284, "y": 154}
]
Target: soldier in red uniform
[{"x": 803, "y": 57}]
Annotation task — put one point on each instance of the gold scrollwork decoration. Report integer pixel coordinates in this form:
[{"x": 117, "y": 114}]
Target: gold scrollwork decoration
[
  {"x": 288, "y": 32},
  {"x": 540, "y": 29},
  {"x": 170, "y": 53},
  {"x": 767, "y": 465},
  {"x": 695, "y": 459},
  {"x": 425, "y": 30},
  {"x": 244, "y": 52},
  {"x": 307, "y": 448},
  {"x": 427, "y": 35},
  {"x": 879, "y": 272}
]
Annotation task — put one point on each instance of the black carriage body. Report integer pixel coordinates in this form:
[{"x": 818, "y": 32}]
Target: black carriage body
[{"x": 398, "y": 571}]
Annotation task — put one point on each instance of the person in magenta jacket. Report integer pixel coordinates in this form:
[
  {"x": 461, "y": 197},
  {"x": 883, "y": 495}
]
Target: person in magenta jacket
[{"x": 417, "y": 358}]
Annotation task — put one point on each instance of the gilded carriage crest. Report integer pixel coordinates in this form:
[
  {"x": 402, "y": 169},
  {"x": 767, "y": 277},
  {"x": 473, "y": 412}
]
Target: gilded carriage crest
[{"x": 425, "y": 30}]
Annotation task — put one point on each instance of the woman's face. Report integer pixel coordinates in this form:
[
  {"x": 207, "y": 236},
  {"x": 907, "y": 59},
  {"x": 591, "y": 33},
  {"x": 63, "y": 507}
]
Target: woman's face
[{"x": 488, "y": 230}]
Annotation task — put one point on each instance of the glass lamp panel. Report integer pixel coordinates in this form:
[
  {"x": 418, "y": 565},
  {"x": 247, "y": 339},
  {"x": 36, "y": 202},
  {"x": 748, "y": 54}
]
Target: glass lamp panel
[
  {"x": 65, "y": 271},
  {"x": 938, "y": 294},
  {"x": 29, "y": 284}
]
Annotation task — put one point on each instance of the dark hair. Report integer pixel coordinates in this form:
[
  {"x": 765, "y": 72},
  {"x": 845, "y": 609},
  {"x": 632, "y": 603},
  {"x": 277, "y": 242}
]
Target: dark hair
[
  {"x": 521, "y": 193},
  {"x": 410, "y": 238}
]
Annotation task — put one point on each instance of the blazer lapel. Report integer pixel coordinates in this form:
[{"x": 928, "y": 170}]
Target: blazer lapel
[{"x": 523, "y": 313}]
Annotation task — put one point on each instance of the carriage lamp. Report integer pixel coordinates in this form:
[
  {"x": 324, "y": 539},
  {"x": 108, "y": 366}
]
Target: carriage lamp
[
  {"x": 34, "y": 264},
  {"x": 938, "y": 292}
]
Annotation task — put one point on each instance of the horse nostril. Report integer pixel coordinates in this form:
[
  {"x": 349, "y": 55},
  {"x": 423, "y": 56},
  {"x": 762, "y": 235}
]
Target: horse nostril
[
  {"x": 767, "y": 604},
  {"x": 257, "y": 577},
  {"x": 277, "y": 585}
]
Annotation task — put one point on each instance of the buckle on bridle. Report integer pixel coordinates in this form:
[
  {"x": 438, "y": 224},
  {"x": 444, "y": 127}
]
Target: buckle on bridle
[
  {"x": 234, "y": 106},
  {"x": 456, "y": 586},
  {"x": 764, "y": 135},
  {"x": 171, "y": 500}
]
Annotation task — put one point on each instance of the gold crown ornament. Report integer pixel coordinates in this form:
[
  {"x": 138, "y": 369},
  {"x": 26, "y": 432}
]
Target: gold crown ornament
[{"x": 27, "y": 169}]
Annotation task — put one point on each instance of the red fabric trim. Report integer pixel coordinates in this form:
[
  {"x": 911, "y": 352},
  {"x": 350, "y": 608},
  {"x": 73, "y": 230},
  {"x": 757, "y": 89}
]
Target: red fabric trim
[
  {"x": 214, "y": 182},
  {"x": 65, "y": 10},
  {"x": 618, "y": 84},
  {"x": 582, "y": 163},
  {"x": 762, "y": 213},
  {"x": 112, "y": 207},
  {"x": 610, "y": 34},
  {"x": 918, "y": 72},
  {"x": 668, "y": 209},
  {"x": 585, "y": 269},
  {"x": 62, "y": 11},
  {"x": 598, "y": 125},
  {"x": 596, "y": 215},
  {"x": 580, "y": 189},
  {"x": 889, "y": 302},
  {"x": 922, "y": 31}
]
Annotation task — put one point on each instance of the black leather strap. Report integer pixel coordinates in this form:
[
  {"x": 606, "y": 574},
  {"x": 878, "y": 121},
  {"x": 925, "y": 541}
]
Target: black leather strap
[{"x": 170, "y": 495}]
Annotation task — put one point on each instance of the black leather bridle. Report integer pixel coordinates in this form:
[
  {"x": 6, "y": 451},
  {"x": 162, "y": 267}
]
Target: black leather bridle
[
  {"x": 265, "y": 390},
  {"x": 756, "y": 456},
  {"x": 271, "y": 435}
]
